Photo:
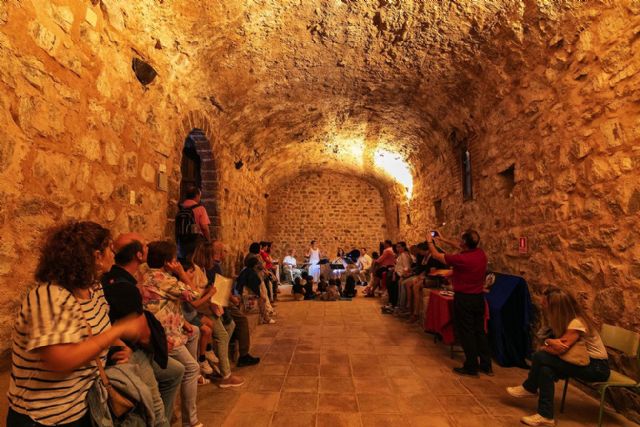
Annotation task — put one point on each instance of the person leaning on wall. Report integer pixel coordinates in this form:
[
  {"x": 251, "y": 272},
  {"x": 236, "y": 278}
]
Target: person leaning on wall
[{"x": 469, "y": 268}]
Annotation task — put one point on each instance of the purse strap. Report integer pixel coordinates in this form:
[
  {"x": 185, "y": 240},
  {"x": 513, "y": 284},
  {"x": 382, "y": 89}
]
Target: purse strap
[
  {"x": 101, "y": 371},
  {"x": 103, "y": 374}
]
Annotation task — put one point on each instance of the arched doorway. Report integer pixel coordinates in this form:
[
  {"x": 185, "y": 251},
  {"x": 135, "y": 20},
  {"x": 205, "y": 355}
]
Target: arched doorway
[
  {"x": 198, "y": 167},
  {"x": 190, "y": 168}
]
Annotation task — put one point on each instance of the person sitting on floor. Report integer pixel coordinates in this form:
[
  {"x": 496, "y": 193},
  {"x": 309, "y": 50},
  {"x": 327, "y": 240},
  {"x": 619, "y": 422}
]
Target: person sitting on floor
[
  {"x": 322, "y": 285},
  {"x": 308, "y": 286},
  {"x": 350, "y": 288},
  {"x": 570, "y": 325},
  {"x": 331, "y": 293},
  {"x": 297, "y": 289}
]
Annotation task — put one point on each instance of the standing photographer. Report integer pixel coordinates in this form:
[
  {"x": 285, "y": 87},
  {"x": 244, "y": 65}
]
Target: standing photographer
[{"x": 469, "y": 268}]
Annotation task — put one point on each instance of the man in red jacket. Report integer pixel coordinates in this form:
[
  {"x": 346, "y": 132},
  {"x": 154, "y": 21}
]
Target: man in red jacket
[{"x": 469, "y": 269}]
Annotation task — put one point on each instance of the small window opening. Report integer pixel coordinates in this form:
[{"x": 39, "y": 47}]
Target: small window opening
[
  {"x": 439, "y": 212},
  {"x": 508, "y": 181},
  {"x": 467, "y": 188},
  {"x": 398, "y": 216}
]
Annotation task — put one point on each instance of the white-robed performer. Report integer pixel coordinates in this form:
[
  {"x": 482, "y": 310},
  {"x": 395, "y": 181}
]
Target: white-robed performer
[{"x": 313, "y": 253}]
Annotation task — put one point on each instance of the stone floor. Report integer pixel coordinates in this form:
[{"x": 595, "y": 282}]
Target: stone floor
[{"x": 345, "y": 364}]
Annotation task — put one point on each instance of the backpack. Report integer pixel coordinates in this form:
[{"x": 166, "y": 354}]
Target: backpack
[{"x": 186, "y": 225}]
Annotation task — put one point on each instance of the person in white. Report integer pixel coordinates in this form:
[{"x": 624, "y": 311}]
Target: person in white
[
  {"x": 289, "y": 265},
  {"x": 313, "y": 253},
  {"x": 364, "y": 264}
]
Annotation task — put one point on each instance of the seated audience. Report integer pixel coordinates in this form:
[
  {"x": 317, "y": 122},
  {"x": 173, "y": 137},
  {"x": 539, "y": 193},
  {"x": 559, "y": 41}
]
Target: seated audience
[
  {"x": 250, "y": 287},
  {"x": 350, "y": 288},
  {"x": 331, "y": 293},
  {"x": 241, "y": 332},
  {"x": 364, "y": 265},
  {"x": 402, "y": 271},
  {"x": 322, "y": 285},
  {"x": 207, "y": 359},
  {"x": 221, "y": 325},
  {"x": 62, "y": 327},
  {"x": 162, "y": 294},
  {"x": 161, "y": 373},
  {"x": 298, "y": 290},
  {"x": 308, "y": 286},
  {"x": 570, "y": 325},
  {"x": 290, "y": 265}
]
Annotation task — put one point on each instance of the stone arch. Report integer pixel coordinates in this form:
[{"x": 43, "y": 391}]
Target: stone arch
[{"x": 199, "y": 128}]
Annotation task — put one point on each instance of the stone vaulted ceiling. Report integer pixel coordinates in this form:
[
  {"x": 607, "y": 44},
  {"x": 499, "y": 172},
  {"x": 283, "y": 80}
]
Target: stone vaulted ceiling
[{"x": 326, "y": 84}]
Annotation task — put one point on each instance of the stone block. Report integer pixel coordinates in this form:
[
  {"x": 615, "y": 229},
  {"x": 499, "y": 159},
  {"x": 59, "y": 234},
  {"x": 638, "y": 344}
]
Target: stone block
[
  {"x": 43, "y": 37},
  {"x": 609, "y": 304},
  {"x": 148, "y": 173},
  {"x": 63, "y": 17},
  {"x": 91, "y": 17}
]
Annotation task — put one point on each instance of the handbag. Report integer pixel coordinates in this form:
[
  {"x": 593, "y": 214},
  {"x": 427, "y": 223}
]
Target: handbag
[
  {"x": 577, "y": 354},
  {"x": 119, "y": 405}
]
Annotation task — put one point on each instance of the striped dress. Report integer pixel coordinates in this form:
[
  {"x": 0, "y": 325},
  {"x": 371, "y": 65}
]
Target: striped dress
[{"x": 51, "y": 315}]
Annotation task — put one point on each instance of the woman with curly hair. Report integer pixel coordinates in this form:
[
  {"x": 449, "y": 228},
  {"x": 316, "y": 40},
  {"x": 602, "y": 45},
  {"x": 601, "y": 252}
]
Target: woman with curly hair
[{"x": 53, "y": 364}]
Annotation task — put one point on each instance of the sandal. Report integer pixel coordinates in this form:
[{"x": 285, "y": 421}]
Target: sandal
[{"x": 203, "y": 380}]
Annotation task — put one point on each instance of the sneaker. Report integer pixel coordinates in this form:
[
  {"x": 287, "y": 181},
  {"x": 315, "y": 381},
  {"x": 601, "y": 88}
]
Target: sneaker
[
  {"x": 205, "y": 368},
  {"x": 519, "y": 391},
  {"x": 465, "y": 371},
  {"x": 211, "y": 357},
  {"x": 247, "y": 360},
  {"x": 538, "y": 420},
  {"x": 231, "y": 381}
]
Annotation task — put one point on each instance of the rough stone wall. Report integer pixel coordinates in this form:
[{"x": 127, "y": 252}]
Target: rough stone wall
[
  {"x": 337, "y": 210},
  {"x": 569, "y": 126},
  {"x": 79, "y": 132}
]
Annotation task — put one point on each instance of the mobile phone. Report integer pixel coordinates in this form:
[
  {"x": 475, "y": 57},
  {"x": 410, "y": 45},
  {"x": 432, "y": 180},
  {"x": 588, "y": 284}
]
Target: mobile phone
[{"x": 434, "y": 234}]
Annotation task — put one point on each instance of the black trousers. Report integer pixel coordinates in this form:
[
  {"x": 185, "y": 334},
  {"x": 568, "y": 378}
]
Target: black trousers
[
  {"x": 392, "y": 289},
  {"x": 468, "y": 312},
  {"x": 241, "y": 331},
  {"x": 15, "y": 419}
]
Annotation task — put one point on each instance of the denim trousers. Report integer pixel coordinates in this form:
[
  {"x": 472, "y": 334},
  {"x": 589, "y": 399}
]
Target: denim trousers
[
  {"x": 187, "y": 356},
  {"x": 547, "y": 368},
  {"x": 169, "y": 380}
]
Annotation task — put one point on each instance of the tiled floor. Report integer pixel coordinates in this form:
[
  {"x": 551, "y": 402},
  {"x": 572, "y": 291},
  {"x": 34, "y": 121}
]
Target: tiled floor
[{"x": 345, "y": 364}]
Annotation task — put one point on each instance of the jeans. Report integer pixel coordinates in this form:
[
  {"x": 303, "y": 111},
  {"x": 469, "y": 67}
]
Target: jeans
[
  {"x": 145, "y": 371},
  {"x": 241, "y": 332},
  {"x": 547, "y": 368},
  {"x": 169, "y": 380},
  {"x": 15, "y": 419},
  {"x": 468, "y": 312},
  {"x": 187, "y": 356},
  {"x": 221, "y": 335}
]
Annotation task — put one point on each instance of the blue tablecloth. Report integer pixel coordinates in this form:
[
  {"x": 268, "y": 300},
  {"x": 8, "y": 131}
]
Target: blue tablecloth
[{"x": 510, "y": 320}]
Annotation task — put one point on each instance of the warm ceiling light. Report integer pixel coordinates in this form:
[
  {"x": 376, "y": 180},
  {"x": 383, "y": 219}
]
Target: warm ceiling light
[{"x": 394, "y": 165}]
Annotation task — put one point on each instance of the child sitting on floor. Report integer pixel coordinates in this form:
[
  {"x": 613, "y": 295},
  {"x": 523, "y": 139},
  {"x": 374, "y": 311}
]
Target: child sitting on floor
[
  {"x": 322, "y": 285},
  {"x": 350, "y": 288},
  {"x": 332, "y": 293},
  {"x": 308, "y": 286},
  {"x": 298, "y": 290}
]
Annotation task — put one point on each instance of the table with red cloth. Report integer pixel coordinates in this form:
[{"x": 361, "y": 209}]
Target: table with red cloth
[{"x": 439, "y": 316}]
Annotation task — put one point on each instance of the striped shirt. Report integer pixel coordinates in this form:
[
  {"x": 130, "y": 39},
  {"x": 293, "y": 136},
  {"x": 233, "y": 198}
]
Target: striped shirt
[{"x": 51, "y": 315}]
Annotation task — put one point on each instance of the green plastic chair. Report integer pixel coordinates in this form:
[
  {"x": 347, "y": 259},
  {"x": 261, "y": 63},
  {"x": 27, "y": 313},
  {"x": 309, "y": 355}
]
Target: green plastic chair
[{"x": 625, "y": 341}]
